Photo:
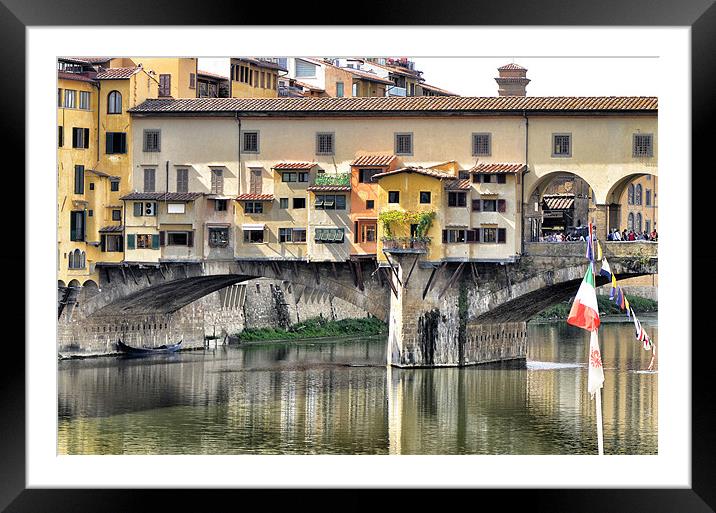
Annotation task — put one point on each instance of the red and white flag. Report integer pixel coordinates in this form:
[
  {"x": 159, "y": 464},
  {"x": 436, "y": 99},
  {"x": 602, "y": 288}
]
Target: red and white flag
[{"x": 595, "y": 380}]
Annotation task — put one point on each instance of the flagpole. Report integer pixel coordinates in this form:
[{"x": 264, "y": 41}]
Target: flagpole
[{"x": 600, "y": 434}]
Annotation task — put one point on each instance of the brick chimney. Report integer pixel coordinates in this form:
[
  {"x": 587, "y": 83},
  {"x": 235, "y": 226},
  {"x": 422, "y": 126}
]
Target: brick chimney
[{"x": 512, "y": 80}]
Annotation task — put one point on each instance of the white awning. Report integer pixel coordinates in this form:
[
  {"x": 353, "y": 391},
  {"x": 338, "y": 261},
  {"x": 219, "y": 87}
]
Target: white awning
[{"x": 253, "y": 226}]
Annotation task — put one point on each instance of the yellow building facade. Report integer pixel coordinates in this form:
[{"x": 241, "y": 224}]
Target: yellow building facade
[{"x": 254, "y": 78}]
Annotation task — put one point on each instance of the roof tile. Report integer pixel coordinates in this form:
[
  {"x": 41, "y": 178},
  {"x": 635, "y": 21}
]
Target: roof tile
[
  {"x": 162, "y": 196},
  {"x": 254, "y": 197},
  {"x": 116, "y": 73},
  {"x": 294, "y": 165},
  {"x": 420, "y": 170},
  {"x": 376, "y": 160},
  {"x": 497, "y": 167}
]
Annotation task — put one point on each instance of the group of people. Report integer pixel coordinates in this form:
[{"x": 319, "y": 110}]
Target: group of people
[{"x": 630, "y": 235}]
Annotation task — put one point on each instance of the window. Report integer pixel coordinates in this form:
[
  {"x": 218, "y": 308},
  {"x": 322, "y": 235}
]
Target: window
[
  {"x": 254, "y": 236},
  {"x": 330, "y": 202},
  {"x": 643, "y": 145},
  {"x": 111, "y": 243},
  {"x": 290, "y": 176},
  {"x": 305, "y": 69},
  {"x": 637, "y": 225},
  {"x": 217, "y": 181},
  {"x": 339, "y": 89},
  {"x": 368, "y": 232},
  {"x": 561, "y": 145},
  {"x": 630, "y": 221},
  {"x": 253, "y": 207},
  {"x": 144, "y": 241},
  {"x": 404, "y": 144},
  {"x": 85, "y": 100},
  {"x": 283, "y": 203},
  {"x": 299, "y": 202},
  {"x": 303, "y": 176},
  {"x": 630, "y": 194},
  {"x": 370, "y": 204},
  {"x": 250, "y": 142},
  {"x": 116, "y": 143},
  {"x": 220, "y": 205},
  {"x": 59, "y": 97},
  {"x": 647, "y": 226},
  {"x": 79, "y": 179},
  {"x": 70, "y": 98},
  {"x": 152, "y": 140},
  {"x": 77, "y": 225},
  {"x": 76, "y": 260},
  {"x": 329, "y": 235},
  {"x": 457, "y": 199},
  {"x": 648, "y": 198},
  {"x": 366, "y": 175},
  {"x": 285, "y": 234},
  {"x": 454, "y": 235},
  {"x": 463, "y": 175},
  {"x": 114, "y": 185},
  {"x": 299, "y": 235},
  {"x": 165, "y": 85},
  {"x": 502, "y": 235},
  {"x": 255, "y": 180},
  {"x": 489, "y": 234},
  {"x": 80, "y": 137},
  {"x": 425, "y": 197},
  {"x": 501, "y": 178},
  {"x": 218, "y": 237},
  {"x": 60, "y": 137},
  {"x": 324, "y": 144},
  {"x": 177, "y": 238},
  {"x": 355, "y": 89},
  {"x": 476, "y": 205},
  {"x": 637, "y": 195},
  {"x": 176, "y": 208},
  {"x": 192, "y": 81},
  {"x": 481, "y": 144},
  {"x": 393, "y": 196},
  {"x": 149, "y": 182},
  {"x": 116, "y": 215},
  {"x": 182, "y": 180},
  {"x": 114, "y": 102},
  {"x": 502, "y": 205},
  {"x": 489, "y": 205}
]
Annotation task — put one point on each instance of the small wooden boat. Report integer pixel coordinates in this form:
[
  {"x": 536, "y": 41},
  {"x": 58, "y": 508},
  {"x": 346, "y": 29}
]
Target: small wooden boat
[{"x": 147, "y": 350}]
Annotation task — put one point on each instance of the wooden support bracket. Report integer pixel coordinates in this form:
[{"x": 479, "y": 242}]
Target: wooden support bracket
[
  {"x": 473, "y": 270},
  {"x": 146, "y": 274},
  {"x": 106, "y": 275},
  {"x": 390, "y": 282},
  {"x": 455, "y": 275},
  {"x": 317, "y": 272},
  {"x": 335, "y": 273},
  {"x": 161, "y": 271},
  {"x": 392, "y": 268},
  {"x": 509, "y": 283},
  {"x": 410, "y": 273},
  {"x": 359, "y": 274},
  {"x": 124, "y": 275},
  {"x": 429, "y": 284},
  {"x": 354, "y": 274},
  {"x": 131, "y": 271}
]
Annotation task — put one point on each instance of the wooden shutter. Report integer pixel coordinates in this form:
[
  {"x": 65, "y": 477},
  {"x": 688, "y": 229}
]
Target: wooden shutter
[
  {"x": 501, "y": 205},
  {"x": 445, "y": 235},
  {"x": 121, "y": 243},
  {"x": 109, "y": 147},
  {"x": 476, "y": 178},
  {"x": 86, "y": 137},
  {"x": 102, "y": 243},
  {"x": 355, "y": 231},
  {"x": 138, "y": 209},
  {"x": 470, "y": 236},
  {"x": 131, "y": 240},
  {"x": 477, "y": 234},
  {"x": 74, "y": 137},
  {"x": 155, "y": 241},
  {"x": 162, "y": 238},
  {"x": 255, "y": 184},
  {"x": 122, "y": 142},
  {"x": 190, "y": 239},
  {"x": 502, "y": 235},
  {"x": 476, "y": 205}
]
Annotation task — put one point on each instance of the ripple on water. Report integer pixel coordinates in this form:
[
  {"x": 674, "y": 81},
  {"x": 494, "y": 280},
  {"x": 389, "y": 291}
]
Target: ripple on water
[{"x": 533, "y": 365}]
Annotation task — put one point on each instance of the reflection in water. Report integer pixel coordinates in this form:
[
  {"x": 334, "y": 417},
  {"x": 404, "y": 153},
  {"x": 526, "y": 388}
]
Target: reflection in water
[{"x": 338, "y": 397}]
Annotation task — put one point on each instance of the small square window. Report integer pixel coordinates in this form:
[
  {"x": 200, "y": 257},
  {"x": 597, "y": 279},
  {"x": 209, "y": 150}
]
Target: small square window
[
  {"x": 424, "y": 196},
  {"x": 404, "y": 144},
  {"x": 481, "y": 145},
  {"x": 91, "y": 186},
  {"x": 325, "y": 144},
  {"x": 561, "y": 145},
  {"x": 220, "y": 205},
  {"x": 114, "y": 185},
  {"x": 116, "y": 215},
  {"x": 643, "y": 145},
  {"x": 299, "y": 202},
  {"x": 250, "y": 142},
  {"x": 370, "y": 204},
  {"x": 393, "y": 197},
  {"x": 283, "y": 203}
]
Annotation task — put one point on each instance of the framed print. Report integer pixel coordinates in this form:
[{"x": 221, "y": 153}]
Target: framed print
[{"x": 178, "y": 192}]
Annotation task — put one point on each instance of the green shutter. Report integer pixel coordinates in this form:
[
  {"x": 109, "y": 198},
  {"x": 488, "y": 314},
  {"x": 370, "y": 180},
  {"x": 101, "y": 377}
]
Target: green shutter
[
  {"x": 138, "y": 207},
  {"x": 103, "y": 243},
  {"x": 155, "y": 241},
  {"x": 131, "y": 238},
  {"x": 110, "y": 143}
]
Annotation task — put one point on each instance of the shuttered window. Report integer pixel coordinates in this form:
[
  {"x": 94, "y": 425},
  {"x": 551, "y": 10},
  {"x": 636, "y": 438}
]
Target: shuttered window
[
  {"x": 79, "y": 179},
  {"x": 305, "y": 69},
  {"x": 80, "y": 137},
  {"x": 149, "y": 182},
  {"x": 152, "y": 140},
  {"x": 165, "y": 85},
  {"x": 217, "y": 181},
  {"x": 255, "y": 183},
  {"x": 77, "y": 225},
  {"x": 502, "y": 235},
  {"x": 182, "y": 180},
  {"x": 501, "y": 205},
  {"x": 116, "y": 143},
  {"x": 60, "y": 136}
]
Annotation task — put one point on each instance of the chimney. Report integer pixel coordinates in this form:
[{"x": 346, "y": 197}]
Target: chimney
[{"x": 512, "y": 80}]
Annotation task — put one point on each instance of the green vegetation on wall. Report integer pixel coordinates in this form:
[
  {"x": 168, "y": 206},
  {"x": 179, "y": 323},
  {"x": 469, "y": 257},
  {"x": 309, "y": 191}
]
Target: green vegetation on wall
[
  {"x": 606, "y": 307},
  {"x": 317, "y": 328}
]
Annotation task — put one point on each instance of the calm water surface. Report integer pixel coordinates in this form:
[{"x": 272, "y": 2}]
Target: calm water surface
[{"x": 338, "y": 397}]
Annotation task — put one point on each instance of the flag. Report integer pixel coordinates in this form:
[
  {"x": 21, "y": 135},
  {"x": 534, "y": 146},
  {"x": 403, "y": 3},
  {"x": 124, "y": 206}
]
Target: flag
[
  {"x": 599, "y": 251},
  {"x": 626, "y": 305},
  {"x": 585, "y": 311},
  {"x": 640, "y": 334},
  {"x": 614, "y": 287},
  {"x": 605, "y": 270},
  {"x": 595, "y": 380}
]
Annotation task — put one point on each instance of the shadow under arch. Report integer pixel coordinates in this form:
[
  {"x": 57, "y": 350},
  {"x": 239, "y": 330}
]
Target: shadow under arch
[
  {"x": 543, "y": 181},
  {"x": 617, "y": 190}
]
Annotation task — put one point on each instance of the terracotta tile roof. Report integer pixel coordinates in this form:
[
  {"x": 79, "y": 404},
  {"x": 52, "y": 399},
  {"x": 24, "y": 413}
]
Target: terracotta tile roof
[
  {"x": 458, "y": 185},
  {"x": 511, "y": 66},
  {"x": 373, "y": 160},
  {"x": 513, "y": 79},
  {"x": 328, "y": 188},
  {"x": 201, "y": 73},
  {"x": 365, "y": 75},
  {"x": 307, "y": 86},
  {"x": 420, "y": 170},
  {"x": 82, "y": 77},
  {"x": 111, "y": 229},
  {"x": 162, "y": 196},
  {"x": 116, "y": 73},
  {"x": 437, "y": 89},
  {"x": 558, "y": 201},
  {"x": 294, "y": 165},
  {"x": 497, "y": 167},
  {"x": 254, "y": 197},
  {"x": 92, "y": 60},
  {"x": 466, "y": 104}
]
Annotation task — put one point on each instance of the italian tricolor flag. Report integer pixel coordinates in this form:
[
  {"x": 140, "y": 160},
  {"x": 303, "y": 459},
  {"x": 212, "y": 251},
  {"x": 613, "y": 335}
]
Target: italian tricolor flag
[{"x": 585, "y": 312}]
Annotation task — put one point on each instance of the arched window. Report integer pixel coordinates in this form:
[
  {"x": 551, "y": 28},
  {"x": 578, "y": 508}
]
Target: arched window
[
  {"x": 76, "y": 259},
  {"x": 637, "y": 195},
  {"x": 637, "y": 228},
  {"x": 630, "y": 198},
  {"x": 71, "y": 260},
  {"x": 630, "y": 223},
  {"x": 114, "y": 103}
]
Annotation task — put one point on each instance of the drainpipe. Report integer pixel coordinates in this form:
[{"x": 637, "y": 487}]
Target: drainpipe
[
  {"x": 238, "y": 122},
  {"x": 522, "y": 188},
  {"x": 98, "y": 120}
]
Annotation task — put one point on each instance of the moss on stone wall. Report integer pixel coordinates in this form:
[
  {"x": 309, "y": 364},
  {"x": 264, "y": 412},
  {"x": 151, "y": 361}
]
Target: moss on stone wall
[
  {"x": 317, "y": 328},
  {"x": 606, "y": 307}
]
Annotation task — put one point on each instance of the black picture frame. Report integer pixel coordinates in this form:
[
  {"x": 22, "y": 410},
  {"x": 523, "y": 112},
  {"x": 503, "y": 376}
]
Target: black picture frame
[{"x": 700, "y": 15}]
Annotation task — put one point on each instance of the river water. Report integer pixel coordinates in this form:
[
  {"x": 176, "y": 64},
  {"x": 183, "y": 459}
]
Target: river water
[{"x": 339, "y": 397}]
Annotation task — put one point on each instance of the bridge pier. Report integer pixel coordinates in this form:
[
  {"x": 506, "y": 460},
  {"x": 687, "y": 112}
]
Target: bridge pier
[{"x": 430, "y": 325}]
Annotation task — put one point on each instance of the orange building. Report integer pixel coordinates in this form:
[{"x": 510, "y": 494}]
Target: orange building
[{"x": 364, "y": 200}]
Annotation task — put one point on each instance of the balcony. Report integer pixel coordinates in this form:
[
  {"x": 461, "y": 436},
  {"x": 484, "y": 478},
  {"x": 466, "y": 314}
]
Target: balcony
[
  {"x": 405, "y": 244},
  {"x": 397, "y": 91},
  {"x": 331, "y": 182}
]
